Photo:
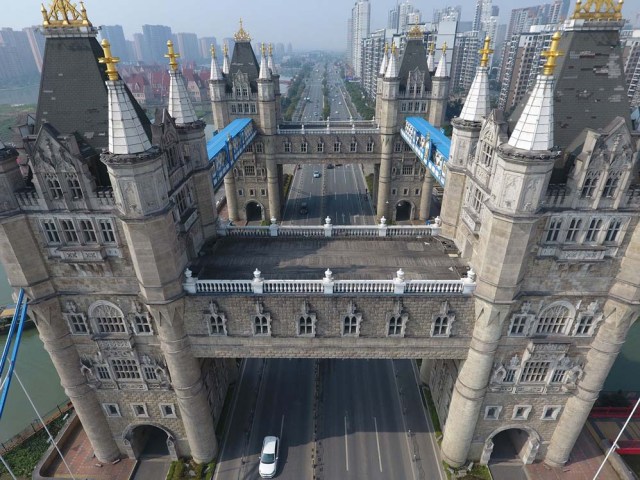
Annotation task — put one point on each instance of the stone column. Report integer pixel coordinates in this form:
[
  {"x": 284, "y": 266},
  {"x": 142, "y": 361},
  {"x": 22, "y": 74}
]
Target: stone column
[
  {"x": 186, "y": 379},
  {"x": 471, "y": 385},
  {"x": 231, "y": 194},
  {"x": 58, "y": 342},
  {"x": 425, "y": 370},
  {"x": 603, "y": 352},
  {"x": 384, "y": 180},
  {"x": 273, "y": 186},
  {"x": 425, "y": 198}
]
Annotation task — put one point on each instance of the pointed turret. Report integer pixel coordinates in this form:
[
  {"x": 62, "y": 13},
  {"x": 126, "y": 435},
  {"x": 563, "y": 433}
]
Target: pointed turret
[
  {"x": 126, "y": 134},
  {"x": 431, "y": 62},
  {"x": 441, "y": 71},
  {"x": 534, "y": 130},
  {"x": 265, "y": 72},
  {"x": 216, "y": 73},
  {"x": 180, "y": 107},
  {"x": 385, "y": 60},
  {"x": 270, "y": 63},
  {"x": 392, "y": 67},
  {"x": 477, "y": 104},
  {"x": 225, "y": 60}
]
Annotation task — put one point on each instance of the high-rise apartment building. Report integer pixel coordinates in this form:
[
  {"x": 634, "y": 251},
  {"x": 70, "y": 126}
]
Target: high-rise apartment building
[
  {"x": 156, "y": 36},
  {"x": 447, "y": 13},
  {"x": 204, "y": 44},
  {"x": 631, "y": 62},
  {"x": 115, "y": 35},
  {"x": 188, "y": 46},
  {"x": 372, "y": 54},
  {"x": 360, "y": 22},
  {"x": 16, "y": 57},
  {"x": 465, "y": 61},
  {"x": 402, "y": 17}
]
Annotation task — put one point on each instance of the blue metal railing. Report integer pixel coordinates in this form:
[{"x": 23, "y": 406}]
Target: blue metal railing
[{"x": 13, "y": 339}]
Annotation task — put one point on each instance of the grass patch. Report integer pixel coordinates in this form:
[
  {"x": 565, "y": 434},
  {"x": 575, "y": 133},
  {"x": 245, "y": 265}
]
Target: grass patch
[
  {"x": 23, "y": 459},
  {"x": 477, "y": 472},
  {"x": 369, "y": 180},
  {"x": 433, "y": 414},
  {"x": 184, "y": 469},
  {"x": 364, "y": 106},
  {"x": 288, "y": 179}
]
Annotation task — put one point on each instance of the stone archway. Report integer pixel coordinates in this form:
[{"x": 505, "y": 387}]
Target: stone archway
[
  {"x": 149, "y": 440},
  {"x": 403, "y": 211},
  {"x": 254, "y": 211},
  {"x": 514, "y": 441}
]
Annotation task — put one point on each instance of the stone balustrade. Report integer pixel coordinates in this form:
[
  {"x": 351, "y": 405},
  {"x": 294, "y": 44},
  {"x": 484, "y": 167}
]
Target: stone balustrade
[
  {"x": 330, "y": 286},
  {"x": 329, "y": 230}
]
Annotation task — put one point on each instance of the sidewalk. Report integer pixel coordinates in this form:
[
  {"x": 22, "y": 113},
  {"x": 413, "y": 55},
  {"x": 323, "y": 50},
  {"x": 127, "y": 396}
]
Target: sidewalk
[{"x": 584, "y": 461}]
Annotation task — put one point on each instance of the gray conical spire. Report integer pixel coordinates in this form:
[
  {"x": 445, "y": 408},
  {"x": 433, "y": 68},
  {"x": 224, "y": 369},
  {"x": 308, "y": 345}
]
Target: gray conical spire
[
  {"x": 431, "y": 62},
  {"x": 441, "y": 71},
  {"x": 180, "y": 107},
  {"x": 392, "y": 67},
  {"x": 385, "y": 60},
  {"x": 270, "y": 63},
  {"x": 477, "y": 105},
  {"x": 265, "y": 73},
  {"x": 126, "y": 134},
  {"x": 534, "y": 130},
  {"x": 225, "y": 60},
  {"x": 216, "y": 74}
]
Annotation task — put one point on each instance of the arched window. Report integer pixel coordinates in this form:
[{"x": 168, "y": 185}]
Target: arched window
[
  {"x": 107, "y": 318},
  {"x": 554, "y": 319}
]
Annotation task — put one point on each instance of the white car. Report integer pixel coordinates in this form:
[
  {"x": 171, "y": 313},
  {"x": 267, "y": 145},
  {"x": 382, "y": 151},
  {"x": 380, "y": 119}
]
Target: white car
[
  {"x": 316, "y": 174},
  {"x": 269, "y": 457}
]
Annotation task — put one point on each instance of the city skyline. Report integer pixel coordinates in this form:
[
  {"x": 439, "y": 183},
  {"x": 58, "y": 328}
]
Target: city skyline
[{"x": 324, "y": 32}]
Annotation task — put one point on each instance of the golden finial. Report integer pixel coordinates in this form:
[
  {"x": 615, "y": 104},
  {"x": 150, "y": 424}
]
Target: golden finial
[
  {"x": 386, "y": 48},
  {"x": 241, "y": 35},
  {"x": 551, "y": 55},
  {"x": 598, "y": 10},
  {"x": 225, "y": 49},
  {"x": 394, "y": 49},
  {"x": 172, "y": 55},
  {"x": 109, "y": 61},
  {"x": 270, "y": 49},
  {"x": 432, "y": 48},
  {"x": 263, "y": 49},
  {"x": 444, "y": 48},
  {"x": 63, "y": 14},
  {"x": 485, "y": 52},
  {"x": 415, "y": 32},
  {"x": 213, "y": 51}
]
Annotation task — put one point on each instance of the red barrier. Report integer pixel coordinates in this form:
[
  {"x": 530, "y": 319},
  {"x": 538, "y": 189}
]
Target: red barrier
[
  {"x": 613, "y": 412},
  {"x": 628, "y": 447}
]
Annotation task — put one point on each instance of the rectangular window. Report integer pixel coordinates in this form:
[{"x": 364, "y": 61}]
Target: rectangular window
[
  {"x": 252, "y": 192},
  {"x": 486, "y": 154},
  {"x": 167, "y": 410},
  {"x": 69, "y": 231},
  {"x": 259, "y": 148},
  {"x": 397, "y": 147},
  {"x": 519, "y": 325},
  {"x": 510, "y": 376},
  {"x": 139, "y": 410},
  {"x": 249, "y": 170},
  {"x": 305, "y": 325},
  {"x": 51, "y": 231},
  {"x": 261, "y": 325},
  {"x": 492, "y": 413},
  {"x": 550, "y": 413},
  {"x": 216, "y": 325},
  {"x": 78, "y": 324},
  {"x": 610, "y": 186},
  {"x": 54, "y": 187},
  {"x": 113, "y": 324},
  {"x": 403, "y": 107},
  {"x": 125, "y": 369},
  {"x": 303, "y": 147},
  {"x": 287, "y": 147},
  {"x": 585, "y": 323},
  {"x": 233, "y": 108},
  {"x": 240, "y": 192},
  {"x": 253, "y": 108},
  {"x": 88, "y": 232},
  {"x": 350, "y": 325},
  {"x": 534, "y": 372},
  {"x": 395, "y": 326},
  {"x": 554, "y": 230},
  {"x": 263, "y": 192},
  {"x": 521, "y": 412},
  {"x": 142, "y": 324},
  {"x": 111, "y": 409},
  {"x": 106, "y": 230},
  {"x": 320, "y": 147},
  {"x": 407, "y": 169},
  {"x": 406, "y": 147},
  {"x": 150, "y": 374},
  {"x": 476, "y": 199},
  {"x": 336, "y": 147},
  {"x": 369, "y": 147},
  {"x": 246, "y": 108},
  {"x": 441, "y": 326},
  {"x": 593, "y": 231},
  {"x": 572, "y": 231},
  {"x": 613, "y": 231},
  {"x": 103, "y": 372},
  {"x": 405, "y": 191},
  {"x": 423, "y": 106},
  {"x": 353, "y": 147},
  {"x": 589, "y": 185},
  {"x": 558, "y": 375},
  {"x": 76, "y": 190}
]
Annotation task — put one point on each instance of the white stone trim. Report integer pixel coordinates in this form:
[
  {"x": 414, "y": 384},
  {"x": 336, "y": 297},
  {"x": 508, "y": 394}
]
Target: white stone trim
[
  {"x": 145, "y": 413},
  {"x": 525, "y": 415},
  {"x": 497, "y": 413},
  {"x": 168, "y": 415},
  {"x": 108, "y": 409},
  {"x": 556, "y": 412}
]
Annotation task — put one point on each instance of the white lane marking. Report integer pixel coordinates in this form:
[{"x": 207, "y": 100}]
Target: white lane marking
[
  {"x": 375, "y": 422},
  {"x": 281, "y": 428},
  {"x": 346, "y": 445},
  {"x": 404, "y": 423}
]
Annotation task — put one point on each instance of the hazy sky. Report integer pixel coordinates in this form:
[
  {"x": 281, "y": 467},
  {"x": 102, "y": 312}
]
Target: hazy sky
[{"x": 304, "y": 23}]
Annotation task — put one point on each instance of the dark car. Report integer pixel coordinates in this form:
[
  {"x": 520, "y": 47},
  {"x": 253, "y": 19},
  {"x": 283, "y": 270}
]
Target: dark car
[
  {"x": 303, "y": 208},
  {"x": 330, "y": 166}
]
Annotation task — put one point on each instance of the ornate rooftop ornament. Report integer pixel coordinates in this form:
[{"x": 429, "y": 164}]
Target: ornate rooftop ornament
[
  {"x": 270, "y": 49},
  {"x": 63, "y": 14},
  {"x": 485, "y": 52},
  {"x": 552, "y": 54},
  {"x": 432, "y": 48},
  {"x": 225, "y": 49},
  {"x": 444, "y": 47},
  {"x": 241, "y": 35},
  {"x": 598, "y": 10},
  {"x": 109, "y": 61},
  {"x": 172, "y": 55},
  {"x": 415, "y": 32}
]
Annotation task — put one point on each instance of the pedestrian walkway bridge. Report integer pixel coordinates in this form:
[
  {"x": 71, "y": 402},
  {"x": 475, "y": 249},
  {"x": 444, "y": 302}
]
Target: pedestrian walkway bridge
[
  {"x": 428, "y": 142},
  {"x": 430, "y": 145}
]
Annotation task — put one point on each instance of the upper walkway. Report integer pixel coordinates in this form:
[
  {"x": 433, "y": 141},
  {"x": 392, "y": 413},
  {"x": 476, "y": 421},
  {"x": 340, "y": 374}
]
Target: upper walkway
[
  {"x": 429, "y": 144},
  {"x": 225, "y": 147}
]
